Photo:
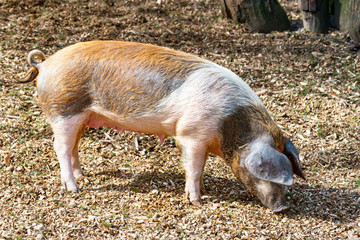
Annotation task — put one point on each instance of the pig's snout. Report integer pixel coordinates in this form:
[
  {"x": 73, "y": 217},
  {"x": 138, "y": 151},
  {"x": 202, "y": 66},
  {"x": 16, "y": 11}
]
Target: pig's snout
[
  {"x": 272, "y": 196},
  {"x": 280, "y": 208}
]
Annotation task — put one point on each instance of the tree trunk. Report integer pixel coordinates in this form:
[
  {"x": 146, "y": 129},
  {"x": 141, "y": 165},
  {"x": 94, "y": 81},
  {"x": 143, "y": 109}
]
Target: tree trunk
[
  {"x": 347, "y": 17},
  {"x": 258, "y": 15},
  {"x": 315, "y": 13}
]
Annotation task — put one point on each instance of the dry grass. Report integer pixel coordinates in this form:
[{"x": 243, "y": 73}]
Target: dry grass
[{"x": 310, "y": 83}]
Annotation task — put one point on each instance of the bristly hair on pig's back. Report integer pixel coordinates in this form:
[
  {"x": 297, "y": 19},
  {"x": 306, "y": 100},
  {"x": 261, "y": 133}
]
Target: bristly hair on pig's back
[{"x": 105, "y": 70}]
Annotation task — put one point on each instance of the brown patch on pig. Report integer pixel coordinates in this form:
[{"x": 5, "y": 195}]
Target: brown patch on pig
[
  {"x": 242, "y": 176},
  {"x": 65, "y": 99}
]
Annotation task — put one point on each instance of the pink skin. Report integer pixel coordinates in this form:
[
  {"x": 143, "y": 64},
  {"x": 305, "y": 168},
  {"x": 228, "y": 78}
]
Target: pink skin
[
  {"x": 97, "y": 121},
  {"x": 66, "y": 146}
]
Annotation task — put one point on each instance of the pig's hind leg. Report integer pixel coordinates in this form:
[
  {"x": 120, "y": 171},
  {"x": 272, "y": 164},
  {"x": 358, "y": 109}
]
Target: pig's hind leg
[
  {"x": 75, "y": 163},
  {"x": 194, "y": 155},
  {"x": 67, "y": 133}
]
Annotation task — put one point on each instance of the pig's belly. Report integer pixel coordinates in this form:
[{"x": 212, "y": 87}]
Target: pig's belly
[
  {"x": 149, "y": 123},
  {"x": 161, "y": 124}
]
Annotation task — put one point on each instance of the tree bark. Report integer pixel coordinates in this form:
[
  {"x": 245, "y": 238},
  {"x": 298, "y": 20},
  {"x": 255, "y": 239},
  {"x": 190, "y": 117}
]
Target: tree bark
[
  {"x": 258, "y": 15},
  {"x": 347, "y": 17},
  {"x": 315, "y": 14}
]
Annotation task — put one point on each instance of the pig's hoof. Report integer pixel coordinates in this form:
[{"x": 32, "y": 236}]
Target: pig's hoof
[
  {"x": 71, "y": 187},
  {"x": 76, "y": 190},
  {"x": 196, "y": 203}
]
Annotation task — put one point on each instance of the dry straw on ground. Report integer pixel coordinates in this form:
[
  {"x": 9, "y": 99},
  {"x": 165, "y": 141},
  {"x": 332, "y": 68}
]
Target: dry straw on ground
[{"x": 134, "y": 185}]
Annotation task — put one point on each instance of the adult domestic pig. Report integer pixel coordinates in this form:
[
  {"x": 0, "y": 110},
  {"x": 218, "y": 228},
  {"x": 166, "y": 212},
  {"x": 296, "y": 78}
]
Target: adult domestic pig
[{"x": 146, "y": 88}]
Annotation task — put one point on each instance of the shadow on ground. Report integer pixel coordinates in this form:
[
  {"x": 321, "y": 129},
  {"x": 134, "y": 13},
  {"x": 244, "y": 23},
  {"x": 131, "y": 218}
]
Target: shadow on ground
[{"x": 316, "y": 202}]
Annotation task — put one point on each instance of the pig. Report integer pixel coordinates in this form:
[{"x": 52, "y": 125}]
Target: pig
[{"x": 156, "y": 90}]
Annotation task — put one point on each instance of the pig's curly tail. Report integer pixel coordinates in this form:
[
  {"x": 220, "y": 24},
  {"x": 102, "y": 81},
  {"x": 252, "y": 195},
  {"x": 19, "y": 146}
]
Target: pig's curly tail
[{"x": 35, "y": 57}]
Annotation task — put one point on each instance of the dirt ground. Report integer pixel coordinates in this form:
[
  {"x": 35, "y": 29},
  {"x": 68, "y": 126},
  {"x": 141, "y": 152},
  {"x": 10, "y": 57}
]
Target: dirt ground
[{"x": 134, "y": 187}]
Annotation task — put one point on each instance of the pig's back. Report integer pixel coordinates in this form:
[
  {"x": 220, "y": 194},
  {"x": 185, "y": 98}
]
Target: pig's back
[
  {"x": 123, "y": 77},
  {"x": 131, "y": 79}
]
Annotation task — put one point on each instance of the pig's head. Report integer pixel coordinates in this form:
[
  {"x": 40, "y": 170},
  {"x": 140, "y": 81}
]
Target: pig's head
[{"x": 265, "y": 167}]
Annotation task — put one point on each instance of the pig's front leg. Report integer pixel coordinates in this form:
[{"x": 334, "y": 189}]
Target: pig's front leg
[
  {"x": 66, "y": 131},
  {"x": 193, "y": 157}
]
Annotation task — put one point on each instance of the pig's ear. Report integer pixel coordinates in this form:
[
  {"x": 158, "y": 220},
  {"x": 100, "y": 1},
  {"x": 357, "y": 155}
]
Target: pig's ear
[
  {"x": 266, "y": 163},
  {"x": 293, "y": 155}
]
